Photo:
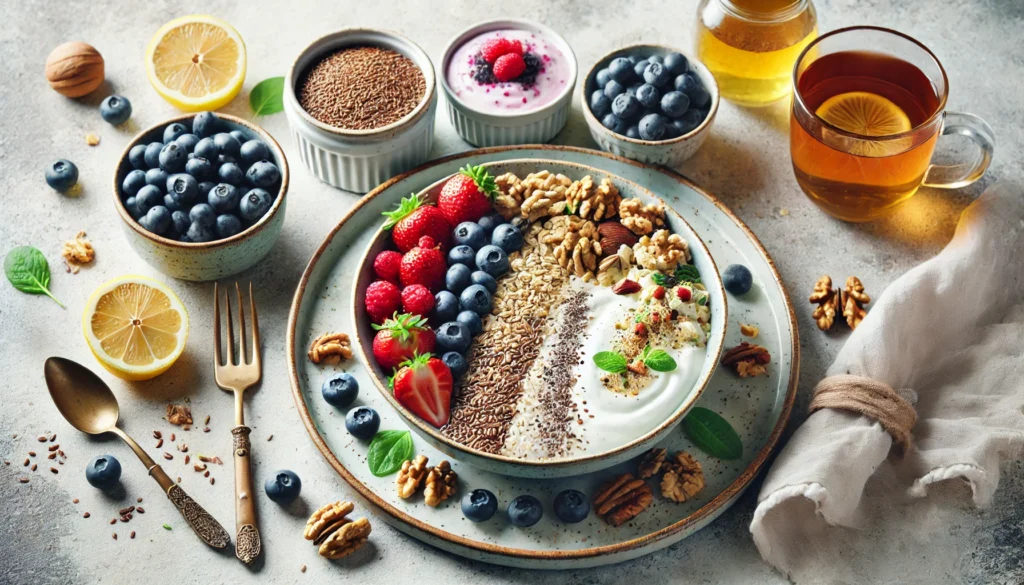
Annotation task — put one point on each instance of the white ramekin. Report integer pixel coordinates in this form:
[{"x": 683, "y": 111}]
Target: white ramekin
[
  {"x": 359, "y": 160},
  {"x": 488, "y": 129}
]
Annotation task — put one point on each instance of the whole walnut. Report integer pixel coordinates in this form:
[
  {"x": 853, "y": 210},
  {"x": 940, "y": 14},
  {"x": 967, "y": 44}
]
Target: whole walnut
[{"x": 74, "y": 69}]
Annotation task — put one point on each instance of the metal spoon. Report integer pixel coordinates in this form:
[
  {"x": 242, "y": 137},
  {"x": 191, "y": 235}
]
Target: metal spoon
[{"x": 89, "y": 405}]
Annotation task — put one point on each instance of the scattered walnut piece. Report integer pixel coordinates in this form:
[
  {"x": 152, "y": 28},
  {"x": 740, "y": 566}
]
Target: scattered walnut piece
[
  {"x": 827, "y": 299},
  {"x": 179, "y": 414},
  {"x": 347, "y": 539},
  {"x": 683, "y": 478},
  {"x": 593, "y": 201},
  {"x": 651, "y": 463},
  {"x": 661, "y": 251},
  {"x": 510, "y": 195},
  {"x": 441, "y": 484},
  {"x": 853, "y": 300},
  {"x": 411, "y": 476},
  {"x": 544, "y": 195},
  {"x": 622, "y": 499},
  {"x": 749, "y": 330},
  {"x": 615, "y": 267},
  {"x": 330, "y": 348},
  {"x": 641, "y": 219},
  {"x": 91, "y": 139},
  {"x": 326, "y": 516},
  {"x": 77, "y": 252},
  {"x": 747, "y": 359}
]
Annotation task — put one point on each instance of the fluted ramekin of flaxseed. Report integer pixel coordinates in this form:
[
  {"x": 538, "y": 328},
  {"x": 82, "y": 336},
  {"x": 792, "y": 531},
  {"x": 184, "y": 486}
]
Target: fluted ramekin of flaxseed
[{"x": 361, "y": 106}]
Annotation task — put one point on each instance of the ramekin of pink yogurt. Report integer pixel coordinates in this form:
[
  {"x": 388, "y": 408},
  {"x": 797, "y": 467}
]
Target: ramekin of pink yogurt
[{"x": 508, "y": 82}]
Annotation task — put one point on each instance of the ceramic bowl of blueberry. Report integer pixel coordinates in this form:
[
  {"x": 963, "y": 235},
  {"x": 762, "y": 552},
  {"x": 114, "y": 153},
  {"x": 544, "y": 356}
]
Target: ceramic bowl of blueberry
[
  {"x": 202, "y": 196},
  {"x": 650, "y": 103}
]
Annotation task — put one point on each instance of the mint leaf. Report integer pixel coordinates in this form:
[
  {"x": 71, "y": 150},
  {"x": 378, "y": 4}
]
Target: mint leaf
[
  {"x": 712, "y": 434},
  {"x": 28, "y": 271},
  {"x": 388, "y": 450},
  {"x": 687, "y": 273},
  {"x": 610, "y": 361},
  {"x": 659, "y": 361},
  {"x": 662, "y": 280},
  {"x": 267, "y": 97}
]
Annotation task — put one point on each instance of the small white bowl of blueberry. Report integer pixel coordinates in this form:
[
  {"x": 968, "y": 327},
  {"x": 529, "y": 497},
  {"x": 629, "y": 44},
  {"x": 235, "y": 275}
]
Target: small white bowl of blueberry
[
  {"x": 202, "y": 196},
  {"x": 650, "y": 103}
]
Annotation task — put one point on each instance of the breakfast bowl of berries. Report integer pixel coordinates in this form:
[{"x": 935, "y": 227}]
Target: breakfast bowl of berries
[
  {"x": 508, "y": 82},
  {"x": 538, "y": 318},
  {"x": 202, "y": 196},
  {"x": 650, "y": 103}
]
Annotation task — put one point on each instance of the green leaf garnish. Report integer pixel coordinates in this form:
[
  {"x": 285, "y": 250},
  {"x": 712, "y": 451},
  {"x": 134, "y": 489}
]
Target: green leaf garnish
[
  {"x": 167, "y": 527},
  {"x": 407, "y": 206},
  {"x": 659, "y": 361},
  {"x": 387, "y": 451},
  {"x": 267, "y": 97},
  {"x": 29, "y": 272},
  {"x": 484, "y": 181},
  {"x": 610, "y": 361},
  {"x": 712, "y": 434},
  {"x": 662, "y": 280},
  {"x": 687, "y": 273}
]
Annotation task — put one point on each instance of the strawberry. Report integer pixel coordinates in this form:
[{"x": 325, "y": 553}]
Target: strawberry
[
  {"x": 497, "y": 47},
  {"x": 418, "y": 300},
  {"x": 382, "y": 300},
  {"x": 386, "y": 265},
  {"x": 467, "y": 196},
  {"x": 412, "y": 219},
  {"x": 423, "y": 265},
  {"x": 401, "y": 338},
  {"x": 424, "y": 386},
  {"x": 508, "y": 67}
]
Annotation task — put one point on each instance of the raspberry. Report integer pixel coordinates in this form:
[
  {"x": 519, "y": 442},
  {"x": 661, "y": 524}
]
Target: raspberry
[
  {"x": 659, "y": 292},
  {"x": 684, "y": 294},
  {"x": 509, "y": 66},
  {"x": 417, "y": 300},
  {"x": 426, "y": 242},
  {"x": 495, "y": 48},
  {"x": 382, "y": 300},
  {"x": 386, "y": 265}
]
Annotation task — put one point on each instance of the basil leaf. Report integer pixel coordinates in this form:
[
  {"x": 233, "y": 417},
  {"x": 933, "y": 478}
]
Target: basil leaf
[
  {"x": 388, "y": 450},
  {"x": 610, "y": 361},
  {"x": 267, "y": 97},
  {"x": 687, "y": 273},
  {"x": 712, "y": 434},
  {"x": 659, "y": 361},
  {"x": 28, "y": 271}
]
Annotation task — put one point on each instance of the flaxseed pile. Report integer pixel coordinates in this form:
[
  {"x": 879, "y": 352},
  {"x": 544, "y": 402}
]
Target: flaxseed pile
[{"x": 361, "y": 88}]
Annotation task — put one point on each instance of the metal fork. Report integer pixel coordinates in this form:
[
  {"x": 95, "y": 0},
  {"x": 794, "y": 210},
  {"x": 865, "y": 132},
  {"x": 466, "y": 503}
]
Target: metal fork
[{"x": 237, "y": 377}]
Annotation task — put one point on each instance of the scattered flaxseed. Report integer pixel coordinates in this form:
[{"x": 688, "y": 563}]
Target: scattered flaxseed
[
  {"x": 132, "y": 535},
  {"x": 91, "y": 139},
  {"x": 270, "y": 438},
  {"x": 52, "y": 456},
  {"x": 206, "y": 420},
  {"x": 27, "y": 461},
  {"x": 206, "y": 429},
  {"x": 31, "y": 453},
  {"x": 140, "y": 510},
  {"x": 157, "y": 435},
  {"x": 212, "y": 480},
  {"x": 53, "y": 437},
  {"x": 113, "y": 520},
  {"x": 74, "y": 501},
  {"x": 34, "y": 467},
  {"x": 115, "y": 536},
  {"x": 302, "y": 569},
  {"x": 125, "y": 511},
  {"x": 86, "y": 515},
  {"x": 183, "y": 447},
  {"x": 53, "y": 447},
  {"x": 139, "y": 500},
  {"x": 179, "y": 479},
  {"x": 6, "y": 462},
  {"x": 23, "y": 479},
  {"x": 159, "y": 443},
  {"x": 199, "y": 467},
  {"x": 41, "y": 439},
  {"x": 207, "y": 474},
  {"x": 187, "y": 459},
  {"x": 168, "y": 456},
  {"x": 53, "y": 470},
  {"x": 172, "y": 437}
]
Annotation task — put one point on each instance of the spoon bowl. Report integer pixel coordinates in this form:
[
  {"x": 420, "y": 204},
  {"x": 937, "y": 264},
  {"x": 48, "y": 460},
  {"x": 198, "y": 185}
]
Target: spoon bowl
[{"x": 81, "y": 396}]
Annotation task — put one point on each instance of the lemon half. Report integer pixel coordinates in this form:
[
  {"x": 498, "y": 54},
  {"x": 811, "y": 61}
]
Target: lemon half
[
  {"x": 196, "y": 62},
  {"x": 135, "y": 326},
  {"x": 864, "y": 113}
]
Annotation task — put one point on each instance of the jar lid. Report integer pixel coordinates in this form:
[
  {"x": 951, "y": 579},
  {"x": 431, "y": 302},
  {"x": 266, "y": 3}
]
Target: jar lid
[{"x": 764, "y": 10}]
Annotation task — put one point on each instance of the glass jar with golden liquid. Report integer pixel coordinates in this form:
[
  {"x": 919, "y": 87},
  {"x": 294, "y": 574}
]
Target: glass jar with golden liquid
[{"x": 750, "y": 46}]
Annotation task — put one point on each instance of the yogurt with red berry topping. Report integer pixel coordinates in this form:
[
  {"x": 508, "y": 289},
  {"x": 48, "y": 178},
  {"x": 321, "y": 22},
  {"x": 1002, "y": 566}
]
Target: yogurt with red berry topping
[{"x": 480, "y": 71}]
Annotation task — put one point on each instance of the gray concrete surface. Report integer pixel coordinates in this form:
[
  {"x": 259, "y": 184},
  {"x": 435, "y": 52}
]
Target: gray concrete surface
[{"x": 43, "y": 537}]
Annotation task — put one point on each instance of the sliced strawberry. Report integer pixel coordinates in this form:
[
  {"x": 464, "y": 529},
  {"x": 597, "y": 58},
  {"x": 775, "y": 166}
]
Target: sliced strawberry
[
  {"x": 467, "y": 196},
  {"x": 413, "y": 219},
  {"x": 400, "y": 338},
  {"x": 424, "y": 386}
]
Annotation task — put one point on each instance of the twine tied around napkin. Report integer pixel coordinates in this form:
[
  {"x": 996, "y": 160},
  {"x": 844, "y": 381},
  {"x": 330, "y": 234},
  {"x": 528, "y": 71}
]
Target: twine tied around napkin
[{"x": 875, "y": 400}]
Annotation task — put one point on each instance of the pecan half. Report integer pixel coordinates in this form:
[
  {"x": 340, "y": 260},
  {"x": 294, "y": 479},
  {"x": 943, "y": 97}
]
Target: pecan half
[
  {"x": 327, "y": 515},
  {"x": 347, "y": 539},
  {"x": 747, "y": 359},
  {"x": 622, "y": 499},
  {"x": 330, "y": 348},
  {"x": 411, "y": 476}
]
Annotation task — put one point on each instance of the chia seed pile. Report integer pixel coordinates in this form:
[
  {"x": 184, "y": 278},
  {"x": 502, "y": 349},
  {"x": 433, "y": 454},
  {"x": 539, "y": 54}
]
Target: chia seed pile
[
  {"x": 362, "y": 88},
  {"x": 483, "y": 72}
]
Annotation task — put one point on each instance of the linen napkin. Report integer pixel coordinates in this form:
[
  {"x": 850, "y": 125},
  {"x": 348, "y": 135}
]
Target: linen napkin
[{"x": 951, "y": 332}]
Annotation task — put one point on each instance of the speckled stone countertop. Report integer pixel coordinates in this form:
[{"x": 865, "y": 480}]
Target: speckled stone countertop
[{"x": 43, "y": 537}]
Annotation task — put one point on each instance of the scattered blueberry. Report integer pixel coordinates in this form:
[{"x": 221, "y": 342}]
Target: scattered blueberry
[
  {"x": 183, "y": 188},
  {"x": 173, "y": 157},
  {"x": 227, "y": 144},
  {"x": 231, "y": 173},
  {"x": 462, "y": 255},
  {"x": 133, "y": 181},
  {"x": 475, "y": 298},
  {"x": 571, "y": 506},
  {"x": 737, "y": 279},
  {"x": 157, "y": 219},
  {"x": 103, "y": 472},
  {"x": 456, "y": 363},
  {"x": 254, "y": 151},
  {"x": 492, "y": 260},
  {"x": 137, "y": 156},
  {"x": 157, "y": 177},
  {"x": 205, "y": 124},
  {"x": 362, "y": 422},
  {"x": 62, "y": 175},
  {"x": 652, "y": 127},
  {"x": 676, "y": 63},
  {"x": 600, "y": 105},
  {"x": 188, "y": 142},
  {"x": 148, "y": 197},
  {"x": 152, "y": 154},
  {"x": 489, "y": 222},
  {"x": 625, "y": 106},
  {"x": 472, "y": 321},
  {"x": 202, "y": 214},
  {"x": 453, "y": 336},
  {"x": 227, "y": 225},
  {"x": 614, "y": 88},
  {"x": 479, "y": 505},
  {"x": 254, "y": 205},
  {"x": 614, "y": 123},
  {"x": 485, "y": 280},
  {"x": 179, "y": 222},
  {"x": 470, "y": 234},
  {"x": 206, "y": 149},
  {"x": 115, "y": 110},
  {"x": 340, "y": 390},
  {"x": 446, "y": 307},
  {"x": 223, "y": 198},
  {"x": 283, "y": 487},
  {"x": 457, "y": 278},
  {"x": 199, "y": 167},
  {"x": 648, "y": 96},
  {"x": 525, "y": 511},
  {"x": 674, "y": 104},
  {"x": 603, "y": 77},
  {"x": 507, "y": 237},
  {"x": 621, "y": 70},
  {"x": 264, "y": 174}
]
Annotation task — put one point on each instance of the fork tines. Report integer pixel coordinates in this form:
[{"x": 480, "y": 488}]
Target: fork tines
[{"x": 231, "y": 340}]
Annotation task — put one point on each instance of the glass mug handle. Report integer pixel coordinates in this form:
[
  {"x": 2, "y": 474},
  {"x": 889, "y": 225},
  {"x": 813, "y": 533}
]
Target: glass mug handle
[{"x": 963, "y": 174}]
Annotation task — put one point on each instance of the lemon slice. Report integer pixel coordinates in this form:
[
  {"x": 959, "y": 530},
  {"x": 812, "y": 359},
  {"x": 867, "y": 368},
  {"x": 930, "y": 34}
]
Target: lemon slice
[
  {"x": 864, "y": 113},
  {"x": 196, "y": 62},
  {"x": 135, "y": 326}
]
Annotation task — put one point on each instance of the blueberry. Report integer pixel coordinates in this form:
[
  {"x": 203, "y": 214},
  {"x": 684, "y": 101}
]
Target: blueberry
[
  {"x": 115, "y": 110},
  {"x": 283, "y": 487},
  {"x": 133, "y": 181},
  {"x": 340, "y": 390},
  {"x": 489, "y": 222},
  {"x": 521, "y": 222},
  {"x": 205, "y": 124},
  {"x": 674, "y": 104},
  {"x": 470, "y": 234},
  {"x": 254, "y": 205},
  {"x": 198, "y": 232},
  {"x": 231, "y": 173},
  {"x": 227, "y": 225},
  {"x": 633, "y": 59},
  {"x": 172, "y": 205},
  {"x": 625, "y": 106},
  {"x": 223, "y": 159},
  {"x": 571, "y": 506},
  {"x": 507, "y": 237},
  {"x": 362, "y": 422},
  {"x": 239, "y": 136},
  {"x": 172, "y": 158},
  {"x": 648, "y": 96},
  {"x": 263, "y": 174},
  {"x": 62, "y": 175},
  {"x": 492, "y": 260},
  {"x": 173, "y": 131},
  {"x": 472, "y": 321},
  {"x": 200, "y": 168},
  {"x": 148, "y": 197},
  {"x": 202, "y": 214},
  {"x": 631, "y": 90},
  {"x": 456, "y": 363},
  {"x": 614, "y": 88},
  {"x": 657, "y": 75},
  {"x": 188, "y": 142},
  {"x": 737, "y": 279},
  {"x": 479, "y": 505},
  {"x": 652, "y": 127},
  {"x": 614, "y": 123},
  {"x": 157, "y": 177},
  {"x": 223, "y": 198},
  {"x": 476, "y": 298},
  {"x": 689, "y": 121},
  {"x": 152, "y": 155},
  {"x": 694, "y": 89},
  {"x": 137, "y": 156},
  {"x": 700, "y": 98},
  {"x": 132, "y": 208},
  {"x": 603, "y": 77},
  {"x": 183, "y": 188},
  {"x": 103, "y": 472},
  {"x": 180, "y": 222},
  {"x": 600, "y": 105},
  {"x": 485, "y": 280},
  {"x": 457, "y": 278},
  {"x": 633, "y": 132},
  {"x": 156, "y": 220},
  {"x": 206, "y": 149},
  {"x": 453, "y": 336},
  {"x": 204, "y": 189},
  {"x": 525, "y": 511},
  {"x": 253, "y": 151},
  {"x": 227, "y": 144},
  {"x": 670, "y": 131},
  {"x": 676, "y": 63},
  {"x": 446, "y": 307},
  {"x": 621, "y": 70},
  {"x": 639, "y": 66}
]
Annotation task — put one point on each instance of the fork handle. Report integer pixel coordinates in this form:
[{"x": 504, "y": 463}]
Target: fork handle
[{"x": 247, "y": 534}]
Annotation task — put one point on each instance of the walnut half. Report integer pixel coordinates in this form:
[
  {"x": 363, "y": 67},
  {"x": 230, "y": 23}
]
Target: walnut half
[
  {"x": 747, "y": 359},
  {"x": 593, "y": 201},
  {"x": 683, "y": 478},
  {"x": 441, "y": 484},
  {"x": 348, "y": 538},
  {"x": 411, "y": 476},
  {"x": 641, "y": 219},
  {"x": 622, "y": 499},
  {"x": 827, "y": 299},
  {"x": 651, "y": 463},
  {"x": 330, "y": 348},
  {"x": 853, "y": 300},
  {"x": 77, "y": 252}
]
